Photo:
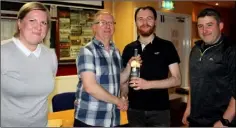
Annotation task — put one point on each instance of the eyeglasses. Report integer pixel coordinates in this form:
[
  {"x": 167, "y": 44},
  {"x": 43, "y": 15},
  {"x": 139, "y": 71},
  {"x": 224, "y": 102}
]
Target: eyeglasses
[{"x": 103, "y": 23}]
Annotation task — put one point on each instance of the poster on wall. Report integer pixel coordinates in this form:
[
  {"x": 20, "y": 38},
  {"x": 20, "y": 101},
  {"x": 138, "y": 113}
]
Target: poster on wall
[{"x": 74, "y": 32}]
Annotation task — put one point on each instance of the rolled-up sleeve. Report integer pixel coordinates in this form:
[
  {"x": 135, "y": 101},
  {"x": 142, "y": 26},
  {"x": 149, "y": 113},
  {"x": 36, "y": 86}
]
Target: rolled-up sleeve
[{"x": 85, "y": 61}]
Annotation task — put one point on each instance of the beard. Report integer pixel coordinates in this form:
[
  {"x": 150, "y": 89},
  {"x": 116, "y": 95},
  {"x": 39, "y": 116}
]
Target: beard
[{"x": 146, "y": 33}]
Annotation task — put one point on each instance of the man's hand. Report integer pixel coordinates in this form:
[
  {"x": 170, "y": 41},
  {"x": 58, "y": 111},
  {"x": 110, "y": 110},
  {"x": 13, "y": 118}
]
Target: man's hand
[
  {"x": 138, "y": 83},
  {"x": 122, "y": 104},
  {"x": 124, "y": 75},
  {"x": 76, "y": 103},
  {"x": 124, "y": 95},
  {"x": 218, "y": 124},
  {"x": 137, "y": 58},
  {"x": 185, "y": 116}
]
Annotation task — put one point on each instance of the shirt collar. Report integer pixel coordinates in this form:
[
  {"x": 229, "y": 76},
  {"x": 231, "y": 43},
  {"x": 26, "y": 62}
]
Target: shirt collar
[
  {"x": 153, "y": 37},
  {"x": 25, "y": 50},
  {"x": 143, "y": 45},
  {"x": 99, "y": 43}
]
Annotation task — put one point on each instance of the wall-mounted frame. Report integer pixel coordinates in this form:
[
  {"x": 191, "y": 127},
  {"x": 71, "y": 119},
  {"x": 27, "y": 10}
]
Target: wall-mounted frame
[
  {"x": 15, "y": 5},
  {"x": 74, "y": 31},
  {"x": 89, "y": 4}
]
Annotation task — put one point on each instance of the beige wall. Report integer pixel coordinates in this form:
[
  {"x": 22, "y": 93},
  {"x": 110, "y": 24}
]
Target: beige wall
[
  {"x": 184, "y": 7},
  {"x": 124, "y": 27},
  {"x": 124, "y": 14},
  {"x": 108, "y": 5}
]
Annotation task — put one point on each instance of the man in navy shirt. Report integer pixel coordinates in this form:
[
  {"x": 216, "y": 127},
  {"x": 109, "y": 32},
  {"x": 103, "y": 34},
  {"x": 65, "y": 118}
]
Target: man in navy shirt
[{"x": 149, "y": 99}]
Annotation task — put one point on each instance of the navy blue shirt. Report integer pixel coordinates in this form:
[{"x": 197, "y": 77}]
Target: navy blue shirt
[{"x": 156, "y": 57}]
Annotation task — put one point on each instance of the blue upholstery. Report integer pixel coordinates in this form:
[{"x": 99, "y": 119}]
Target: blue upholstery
[{"x": 63, "y": 101}]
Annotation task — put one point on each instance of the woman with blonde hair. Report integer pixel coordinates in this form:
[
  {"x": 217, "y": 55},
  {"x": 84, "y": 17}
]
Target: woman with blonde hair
[{"x": 28, "y": 69}]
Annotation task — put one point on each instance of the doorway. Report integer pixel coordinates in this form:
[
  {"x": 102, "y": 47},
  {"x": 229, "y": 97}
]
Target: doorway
[{"x": 177, "y": 29}]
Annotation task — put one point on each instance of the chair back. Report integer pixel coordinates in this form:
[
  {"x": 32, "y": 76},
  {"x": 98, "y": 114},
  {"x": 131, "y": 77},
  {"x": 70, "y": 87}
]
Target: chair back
[{"x": 63, "y": 101}]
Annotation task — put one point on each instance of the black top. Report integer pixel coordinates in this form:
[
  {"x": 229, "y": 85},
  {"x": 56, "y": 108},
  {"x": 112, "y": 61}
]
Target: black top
[
  {"x": 156, "y": 57},
  {"x": 212, "y": 80}
]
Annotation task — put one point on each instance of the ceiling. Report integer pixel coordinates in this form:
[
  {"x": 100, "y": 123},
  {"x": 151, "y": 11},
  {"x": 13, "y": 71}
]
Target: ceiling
[{"x": 223, "y": 4}]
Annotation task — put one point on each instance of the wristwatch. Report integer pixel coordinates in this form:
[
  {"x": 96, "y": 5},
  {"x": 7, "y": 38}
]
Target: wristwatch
[{"x": 225, "y": 122}]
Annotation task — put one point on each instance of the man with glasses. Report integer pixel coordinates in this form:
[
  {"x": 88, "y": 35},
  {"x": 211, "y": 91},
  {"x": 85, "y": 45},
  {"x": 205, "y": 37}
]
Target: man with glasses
[
  {"x": 100, "y": 74},
  {"x": 149, "y": 99}
]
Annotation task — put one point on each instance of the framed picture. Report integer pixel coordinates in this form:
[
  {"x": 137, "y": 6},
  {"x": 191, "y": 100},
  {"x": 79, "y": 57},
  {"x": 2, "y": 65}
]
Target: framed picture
[
  {"x": 77, "y": 3},
  {"x": 75, "y": 31}
]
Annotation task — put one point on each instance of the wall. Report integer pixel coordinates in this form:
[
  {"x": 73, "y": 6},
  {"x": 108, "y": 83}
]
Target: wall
[
  {"x": 124, "y": 28},
  {"x": 233, "y": 26},
  {"x": 124, "y": 15},
  {"x": 64, "y": 70},
  {"x": 108, "y": 5},
  {"x": 184, "y": 7},
  {"x": 123, "y": 12}
]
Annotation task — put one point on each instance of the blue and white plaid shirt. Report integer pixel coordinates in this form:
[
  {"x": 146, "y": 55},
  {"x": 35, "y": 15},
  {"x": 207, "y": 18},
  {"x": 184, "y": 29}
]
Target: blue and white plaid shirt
[{"x": 107, "y": 67}]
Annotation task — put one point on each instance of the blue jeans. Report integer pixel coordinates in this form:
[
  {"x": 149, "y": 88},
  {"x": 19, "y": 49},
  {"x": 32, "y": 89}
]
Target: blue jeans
[{"x": 140, "y": 118}]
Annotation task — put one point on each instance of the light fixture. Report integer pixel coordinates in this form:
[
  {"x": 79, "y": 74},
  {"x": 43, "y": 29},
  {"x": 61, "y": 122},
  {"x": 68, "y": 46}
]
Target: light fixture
[
  {"x": 167, "y": 4},
  {"x": 217, "y": 4}
]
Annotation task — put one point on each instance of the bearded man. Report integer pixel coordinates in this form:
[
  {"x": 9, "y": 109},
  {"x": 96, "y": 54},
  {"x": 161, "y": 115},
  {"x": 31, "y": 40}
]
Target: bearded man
[{"x": 148, "y": 97}]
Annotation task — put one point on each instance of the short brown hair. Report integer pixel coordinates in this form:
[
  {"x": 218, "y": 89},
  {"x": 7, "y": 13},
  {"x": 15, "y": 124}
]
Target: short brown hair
[
  {"x": 146, "y": 8},
  {"x": 28, "y": 7},
  {"x": 210, "y": 12}
]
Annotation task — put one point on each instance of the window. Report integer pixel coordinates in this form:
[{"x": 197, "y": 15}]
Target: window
[{"x": 8, "y": 27}]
